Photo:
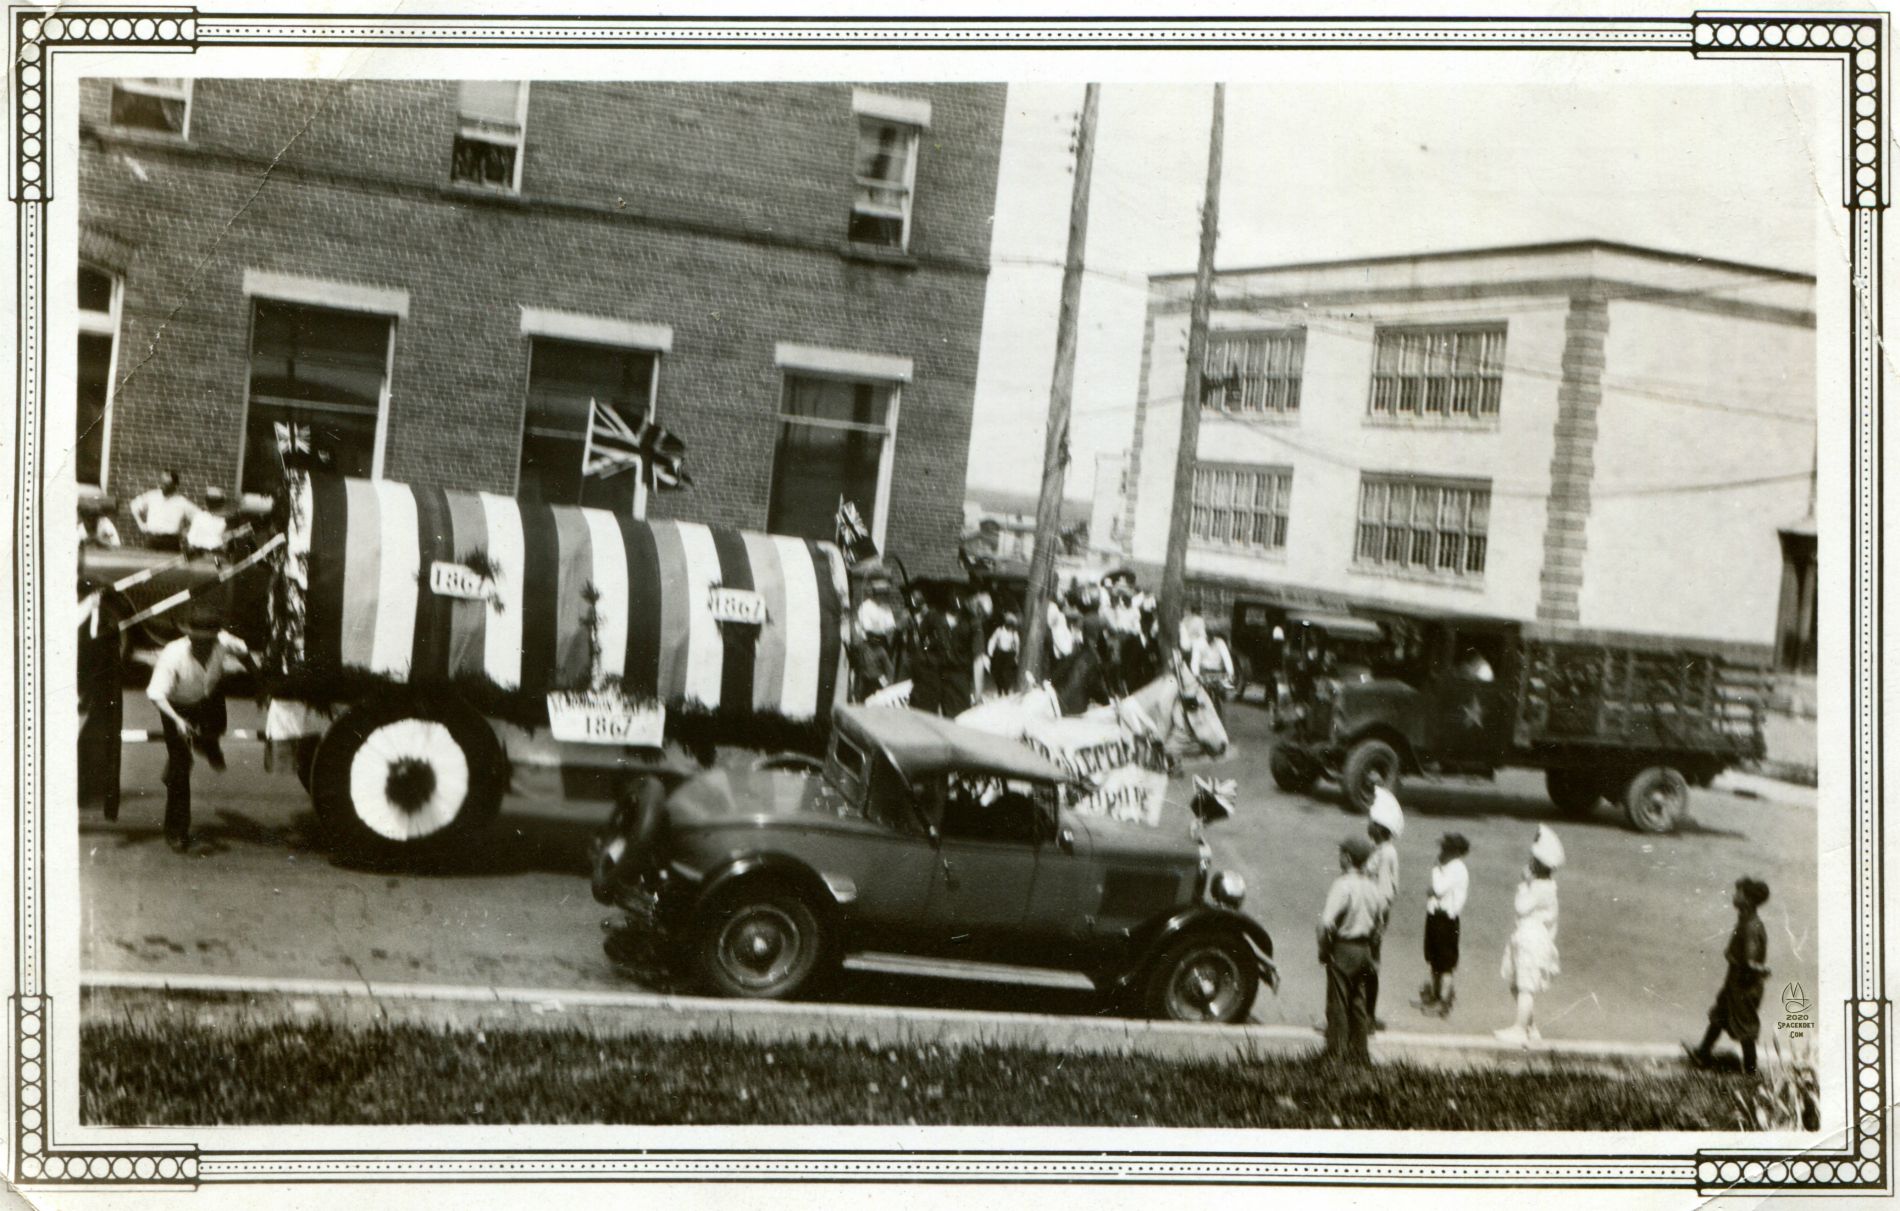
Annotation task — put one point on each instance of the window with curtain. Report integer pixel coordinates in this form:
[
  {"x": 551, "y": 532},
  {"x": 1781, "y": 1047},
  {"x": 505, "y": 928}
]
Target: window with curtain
[
  {"x": 564, "y": 377},
  {"x": 886, "y": 173},
  {"x": 1455, "y": 373},
  {"x": 1438, "y": 527},
  {"x": 1254, "y": 373},
  {"x": 488, "y": 142},
  {"x": 323, "y": 372},
  {"x": 163, "y": 105},
  {"x": 833, "y": 436},
  {"x": 1241, "y": 507},
  {"x": 98, "y": 342}
]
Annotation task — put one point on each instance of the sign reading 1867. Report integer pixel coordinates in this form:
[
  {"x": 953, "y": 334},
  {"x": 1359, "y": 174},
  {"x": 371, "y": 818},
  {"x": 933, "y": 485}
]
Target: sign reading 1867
[
  {"x": 604, "y": 716},
  {"x": 457, "y": 580}
]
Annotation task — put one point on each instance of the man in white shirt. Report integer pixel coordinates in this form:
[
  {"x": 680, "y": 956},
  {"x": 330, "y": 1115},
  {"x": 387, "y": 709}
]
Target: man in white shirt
[
  {"x": 164, "y": 514},
  {"x": 187, "y": 688}
]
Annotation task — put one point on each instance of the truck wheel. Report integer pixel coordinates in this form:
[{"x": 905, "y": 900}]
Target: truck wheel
[
  {"x": 1576, "y": 792},
  {"x": 763, "y": 941},
  {"x": 1655, "y": 799},
  {"x": 1370, "y": 765},
  {"x": 1204, "y": 977},
  {"x": 397, "y": 779},
  {"x": 1291, "y": 772}
]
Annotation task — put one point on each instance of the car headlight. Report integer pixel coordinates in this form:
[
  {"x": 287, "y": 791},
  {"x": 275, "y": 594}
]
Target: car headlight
[{"x": 1228, "y": 889}]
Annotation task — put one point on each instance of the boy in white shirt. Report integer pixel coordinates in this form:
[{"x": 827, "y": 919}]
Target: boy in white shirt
[{"x": 1451, "y": 885}]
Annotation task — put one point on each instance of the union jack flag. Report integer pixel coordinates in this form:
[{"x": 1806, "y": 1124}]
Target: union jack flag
[
  {"x": 615, "y": 446},
  {"x": 853, "y": 535}
]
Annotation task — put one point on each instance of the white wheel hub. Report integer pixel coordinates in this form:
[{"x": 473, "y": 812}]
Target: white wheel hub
[{"x": 421, "y": 754}]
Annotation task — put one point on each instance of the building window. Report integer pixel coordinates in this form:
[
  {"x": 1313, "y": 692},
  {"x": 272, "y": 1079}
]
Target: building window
[
  {"x": 834, "y": 441},
  {"x": 1254, "y": 373},
  {"x": 1242, "y": 507},
  {"x": 1436, "y": 527},
  {"x": 1442, "y": 372},
  {"x": 564, "y": 379},
  {"x": 325, "y": 373},
  {"x": 163, "y": 105},
  {"x": 488, "y": 144},
  {"x": 886, "y": 175},
  {"x": 98, "y": 346}
]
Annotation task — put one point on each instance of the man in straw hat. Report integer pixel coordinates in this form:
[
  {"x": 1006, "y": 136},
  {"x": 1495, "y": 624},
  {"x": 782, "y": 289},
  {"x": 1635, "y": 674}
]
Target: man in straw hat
[
  {"x": 1348, "y": 926},
  {"x": 1384, "y": 824},
  {"x": 187, "y": 688}
]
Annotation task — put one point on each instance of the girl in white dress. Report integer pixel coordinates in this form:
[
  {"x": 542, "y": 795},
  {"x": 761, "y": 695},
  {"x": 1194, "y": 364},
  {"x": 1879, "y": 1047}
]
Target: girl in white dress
[{"x": 1530, "y": 957}]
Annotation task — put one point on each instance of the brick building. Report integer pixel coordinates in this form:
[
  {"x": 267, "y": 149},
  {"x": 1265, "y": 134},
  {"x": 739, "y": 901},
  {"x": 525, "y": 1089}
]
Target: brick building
[
  {"x": 1583, "y": 436},
  {"x": 435, "y": 278}
]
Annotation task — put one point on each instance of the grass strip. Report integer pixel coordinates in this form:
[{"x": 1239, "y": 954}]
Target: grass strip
[{"x": 189, "y": 1074}]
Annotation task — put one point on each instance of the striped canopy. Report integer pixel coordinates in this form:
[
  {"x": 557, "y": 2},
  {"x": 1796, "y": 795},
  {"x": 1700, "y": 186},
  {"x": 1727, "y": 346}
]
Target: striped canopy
[{"x": 564, "y": 582}]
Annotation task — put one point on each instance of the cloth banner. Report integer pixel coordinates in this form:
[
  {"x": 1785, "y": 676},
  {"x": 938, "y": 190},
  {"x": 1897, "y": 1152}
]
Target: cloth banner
[{"x": 421, "y": 584}]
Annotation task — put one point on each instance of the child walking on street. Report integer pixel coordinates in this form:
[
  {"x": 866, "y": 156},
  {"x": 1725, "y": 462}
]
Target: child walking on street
[
  {"x": 1530, "y": 957},
  {"x": 1737, "y": 1008},
  {"x": 1451, "y": 884}
]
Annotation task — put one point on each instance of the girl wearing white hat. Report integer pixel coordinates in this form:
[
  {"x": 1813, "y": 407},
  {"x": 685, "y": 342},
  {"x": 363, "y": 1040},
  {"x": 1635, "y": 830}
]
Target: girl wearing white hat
[{"x": 1530, "y": 957}]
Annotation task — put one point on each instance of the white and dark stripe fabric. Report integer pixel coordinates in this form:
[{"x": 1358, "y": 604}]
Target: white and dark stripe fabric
[{"x": 566, "y": 583}]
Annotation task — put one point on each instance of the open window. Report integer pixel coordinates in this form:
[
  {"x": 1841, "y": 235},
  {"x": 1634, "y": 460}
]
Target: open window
[
  {"x": 155, "y": 104},
  {"x": 490, "y": 136}
]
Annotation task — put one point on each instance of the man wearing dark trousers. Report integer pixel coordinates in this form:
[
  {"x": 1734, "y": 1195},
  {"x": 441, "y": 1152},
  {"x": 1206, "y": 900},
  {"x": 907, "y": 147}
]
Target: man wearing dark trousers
[
  {"x": 187, "y": 688},
  {"x": 1347, "y": 926}
]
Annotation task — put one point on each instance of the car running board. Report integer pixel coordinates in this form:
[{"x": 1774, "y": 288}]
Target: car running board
[{"x": 968, "y": 969}]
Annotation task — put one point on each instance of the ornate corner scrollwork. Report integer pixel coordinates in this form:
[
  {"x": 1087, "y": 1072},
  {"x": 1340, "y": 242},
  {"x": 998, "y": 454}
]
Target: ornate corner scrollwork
[
  {"x": 1862, "y": 1165},
  {"x": 35, "y": 1161},
  {"x": 37, "y": 34},
  {"x": 1858, "y": 41}
]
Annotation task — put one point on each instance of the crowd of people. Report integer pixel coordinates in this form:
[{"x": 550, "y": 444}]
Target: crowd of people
[
  {"x": 1358, "y": 909},
  {"x": 954, "y": 646},
  {"x": 167, "y": 519}
]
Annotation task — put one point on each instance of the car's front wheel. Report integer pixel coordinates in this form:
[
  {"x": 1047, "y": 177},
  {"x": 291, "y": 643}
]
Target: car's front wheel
[
  {"x": 763, "y": 942},
  {"x": 1205, "y": 977}
]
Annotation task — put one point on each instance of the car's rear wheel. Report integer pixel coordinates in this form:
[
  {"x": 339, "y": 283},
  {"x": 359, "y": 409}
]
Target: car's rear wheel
[
  {"x": 1204, "y": 977},
  {"x": 762, "y": 942}
]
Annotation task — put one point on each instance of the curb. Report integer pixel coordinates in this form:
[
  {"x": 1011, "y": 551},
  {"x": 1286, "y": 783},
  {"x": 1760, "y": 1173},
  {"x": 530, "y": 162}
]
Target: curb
[{"x": 362, "y": 1003}]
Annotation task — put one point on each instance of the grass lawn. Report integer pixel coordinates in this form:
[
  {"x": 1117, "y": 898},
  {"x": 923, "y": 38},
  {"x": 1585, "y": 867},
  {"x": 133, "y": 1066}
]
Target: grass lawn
[{"x": 182, "y": 1073}]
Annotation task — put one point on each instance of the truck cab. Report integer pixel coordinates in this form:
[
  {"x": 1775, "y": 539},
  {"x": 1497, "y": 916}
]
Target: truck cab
[{"x": 1366, "y": 701}]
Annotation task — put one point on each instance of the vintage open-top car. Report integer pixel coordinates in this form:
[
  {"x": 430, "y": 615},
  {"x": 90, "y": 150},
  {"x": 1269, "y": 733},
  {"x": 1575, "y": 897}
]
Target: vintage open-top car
[{"x": 920, "y": 837}]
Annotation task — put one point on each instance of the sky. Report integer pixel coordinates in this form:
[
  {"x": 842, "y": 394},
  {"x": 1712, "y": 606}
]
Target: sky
[{"x": 1439, "y": 152}]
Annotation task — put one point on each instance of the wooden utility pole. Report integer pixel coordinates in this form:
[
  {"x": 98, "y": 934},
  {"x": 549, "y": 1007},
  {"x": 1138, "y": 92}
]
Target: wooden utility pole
[
  {"x": 1174, "y": 571},
  {"x": 1055, "y": 447}
]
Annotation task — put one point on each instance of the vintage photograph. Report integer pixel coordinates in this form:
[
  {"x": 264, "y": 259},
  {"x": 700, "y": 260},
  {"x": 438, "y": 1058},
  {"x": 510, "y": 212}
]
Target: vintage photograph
[{"x": 1283, "y": 599}]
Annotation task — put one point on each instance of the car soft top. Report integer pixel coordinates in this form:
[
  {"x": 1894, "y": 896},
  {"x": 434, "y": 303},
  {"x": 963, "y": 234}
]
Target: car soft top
[{"x": 919, "y": 745}]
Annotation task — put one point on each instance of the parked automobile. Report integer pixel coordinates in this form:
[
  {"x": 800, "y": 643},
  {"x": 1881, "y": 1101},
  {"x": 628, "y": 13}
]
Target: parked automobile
[
  {"x": 1633, "y": 719},
  {"x": 920, "y": 837}
]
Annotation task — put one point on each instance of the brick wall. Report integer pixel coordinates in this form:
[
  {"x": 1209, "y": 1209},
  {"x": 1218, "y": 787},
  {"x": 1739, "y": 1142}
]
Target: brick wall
[{"x": 717, "y": 210}]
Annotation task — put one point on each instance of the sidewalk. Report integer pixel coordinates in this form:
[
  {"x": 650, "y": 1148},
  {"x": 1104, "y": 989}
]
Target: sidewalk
[{"x": 227, "y": 1000}]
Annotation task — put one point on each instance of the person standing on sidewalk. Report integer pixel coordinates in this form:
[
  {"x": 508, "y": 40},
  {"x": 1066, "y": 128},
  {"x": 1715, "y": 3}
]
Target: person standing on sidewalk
[
  {"x": 1737, "y": 1008},
  {"x": 1386, "y": 823},
  {"x": 1530, "y": 957},
  {"x": 1451, "y": 885},
  {"x": 187, "y": 687},
  {"x": 1347, "y": 927}
]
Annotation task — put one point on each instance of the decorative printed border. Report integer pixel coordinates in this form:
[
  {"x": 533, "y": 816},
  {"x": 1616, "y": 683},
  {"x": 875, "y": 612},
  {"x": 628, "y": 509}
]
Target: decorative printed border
[{"x": 1857, "y": 42}]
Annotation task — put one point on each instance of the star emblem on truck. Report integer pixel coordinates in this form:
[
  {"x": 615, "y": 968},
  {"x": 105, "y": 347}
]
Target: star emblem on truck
[{"x": 1474, "y": 713}]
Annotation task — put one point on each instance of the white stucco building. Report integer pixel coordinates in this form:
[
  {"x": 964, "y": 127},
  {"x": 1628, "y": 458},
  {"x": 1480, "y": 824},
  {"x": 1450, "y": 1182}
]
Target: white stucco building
[{"x": 1588, "y": 436}]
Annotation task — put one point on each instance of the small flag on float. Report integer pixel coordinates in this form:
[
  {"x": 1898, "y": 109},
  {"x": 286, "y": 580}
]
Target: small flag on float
[{"x": 615, "y": 446}]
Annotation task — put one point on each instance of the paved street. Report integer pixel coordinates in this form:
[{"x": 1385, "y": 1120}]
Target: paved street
[{"x": 1644, "y": 918}]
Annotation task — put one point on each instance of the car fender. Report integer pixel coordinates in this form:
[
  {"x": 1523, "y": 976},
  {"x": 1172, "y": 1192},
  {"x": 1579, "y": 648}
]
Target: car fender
[
  {"x": 1158, "y": 935},
  {"x": 826, "y": 894}
]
